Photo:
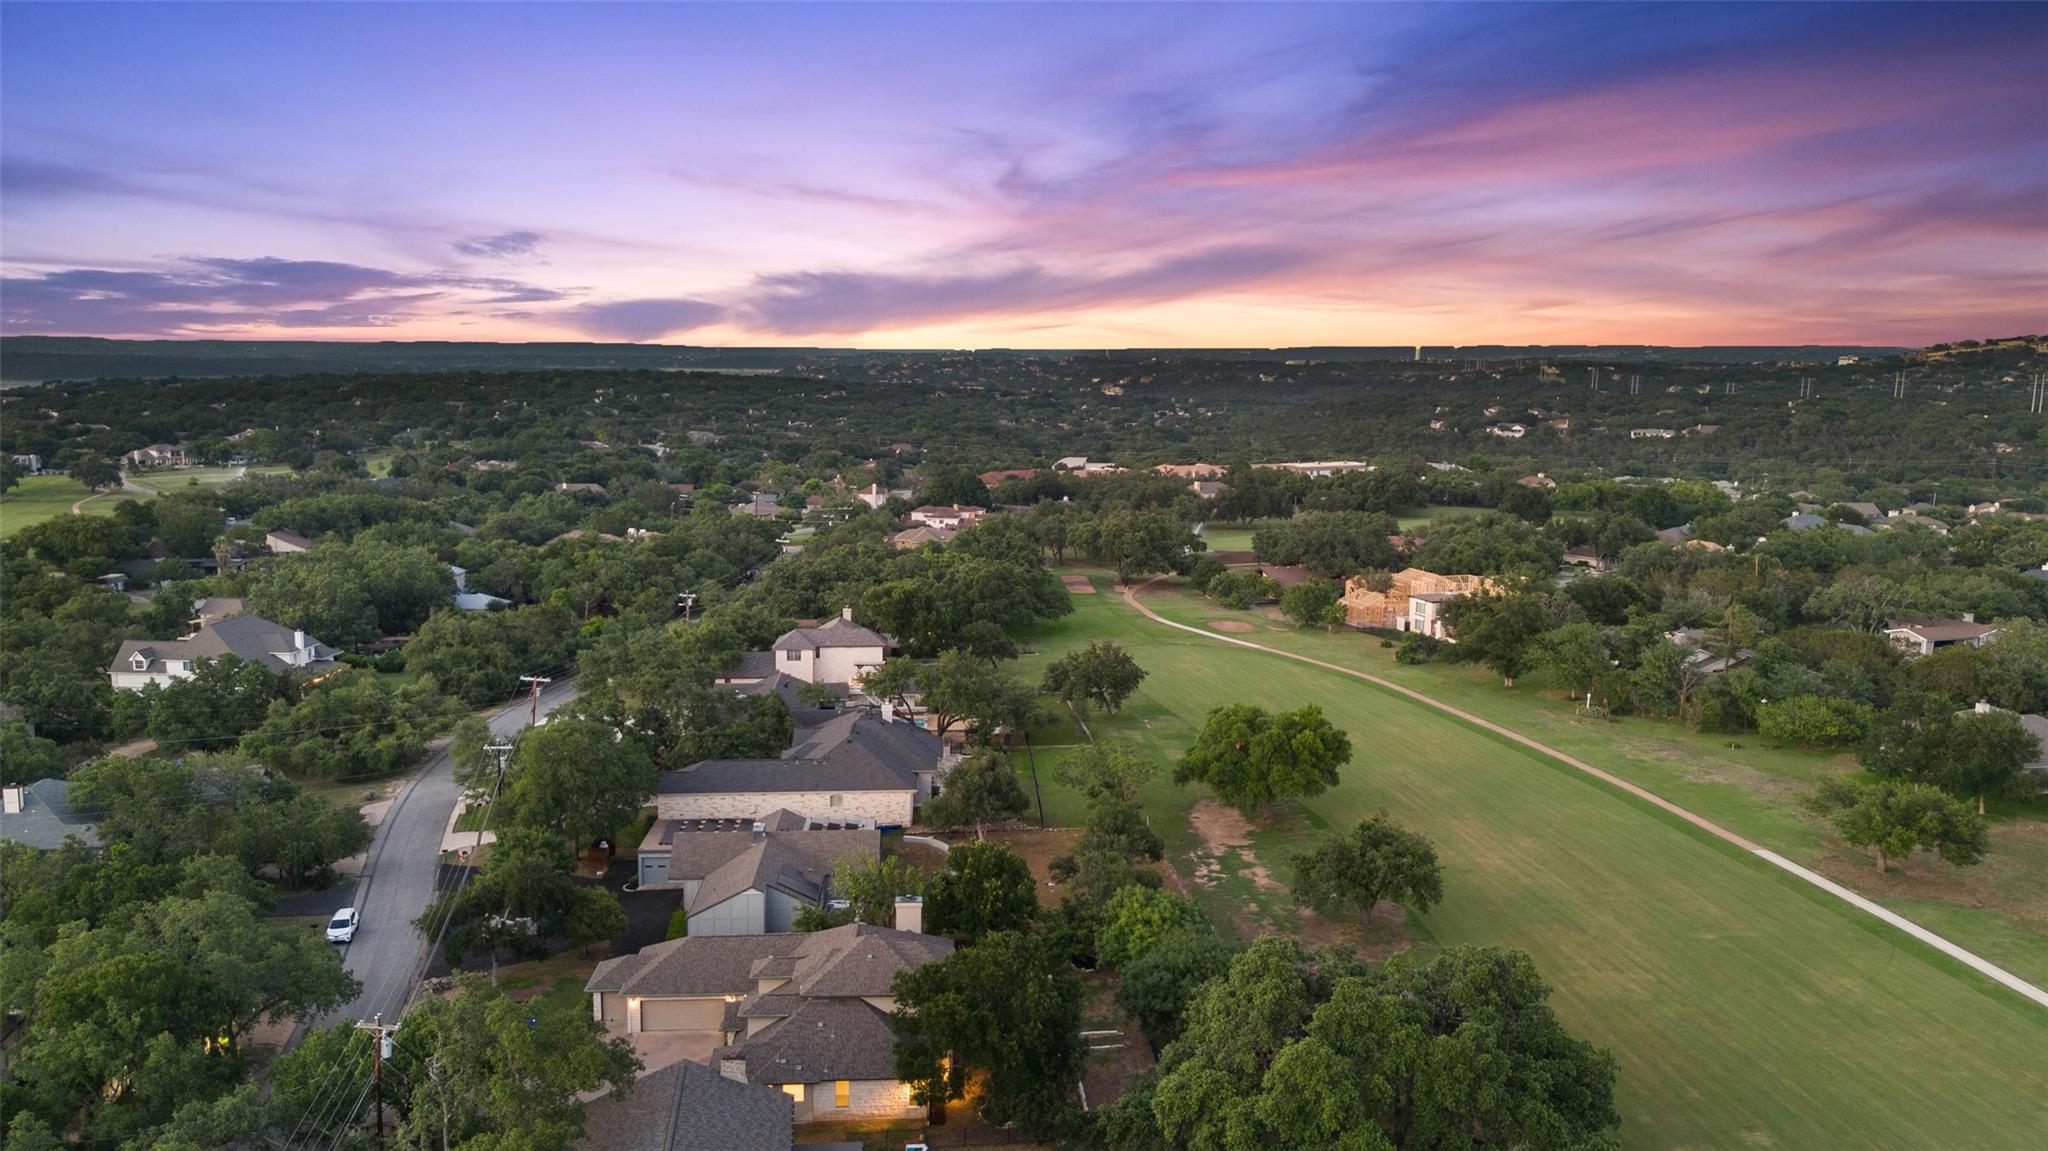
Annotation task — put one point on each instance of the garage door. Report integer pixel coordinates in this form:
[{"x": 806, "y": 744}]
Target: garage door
[
  {"x": 653, "y": 868},
  {"x": 681, "y": 1014}
]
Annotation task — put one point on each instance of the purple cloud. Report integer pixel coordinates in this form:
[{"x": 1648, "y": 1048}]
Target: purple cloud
[
  {"x": 208, "y": 293},
  {"x": 641, "y": 320},
  {"x": 804, "y": 302},
  {"x": 499, "y": 246}
]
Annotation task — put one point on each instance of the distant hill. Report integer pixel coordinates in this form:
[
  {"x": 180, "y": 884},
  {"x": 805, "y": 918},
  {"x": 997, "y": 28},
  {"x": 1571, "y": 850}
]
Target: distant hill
[{"x": 31, "y": 359}]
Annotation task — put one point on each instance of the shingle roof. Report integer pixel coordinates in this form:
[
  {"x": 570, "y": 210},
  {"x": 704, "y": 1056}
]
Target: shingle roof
[
  {"x": 797, "y": 862},
  {"x": 1942, "y": 630},
  {"x": 840, "y": 632},
  {"x": 853, "y": 960},
  {"x": 852, "y": 751},
  {"x": 2037, "y": 726},
  {"x": 47, "y": 818},
  {"x": 821, "y": 1040},
  {"x": 752, "y": 665},
  {"x": 251, "y": 637},
  {"x": 747, "y": 776},
  {"x": 690, "y": 1107}
]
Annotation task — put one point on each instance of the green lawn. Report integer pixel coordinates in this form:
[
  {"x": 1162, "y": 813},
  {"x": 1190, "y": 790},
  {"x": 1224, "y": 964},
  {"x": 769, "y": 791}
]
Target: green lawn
[
  {"x": 1229, "y": 537},
  {"x": 166, "y": 480},
  {"x": 1744, "y": 1007},
  {"x": 37, "y": 498},
  {"x": 1412, "y": 520},
  {"x": 1998, "y": 909},
  {"x": 1238, "y": 537}
]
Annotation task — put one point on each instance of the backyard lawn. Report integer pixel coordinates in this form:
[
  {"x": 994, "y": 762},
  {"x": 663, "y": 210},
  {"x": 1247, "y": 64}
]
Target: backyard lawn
[{"x": 1744, "y": 1008}]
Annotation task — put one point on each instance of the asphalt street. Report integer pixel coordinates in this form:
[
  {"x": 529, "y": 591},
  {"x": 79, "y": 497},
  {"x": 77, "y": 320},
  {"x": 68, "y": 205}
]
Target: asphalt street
[{"x": 399, "y": 876}]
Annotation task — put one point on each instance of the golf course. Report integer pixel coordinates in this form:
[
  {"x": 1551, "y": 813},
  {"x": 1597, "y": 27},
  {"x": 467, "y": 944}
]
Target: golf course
[{"x": 1744, "y": 1006}]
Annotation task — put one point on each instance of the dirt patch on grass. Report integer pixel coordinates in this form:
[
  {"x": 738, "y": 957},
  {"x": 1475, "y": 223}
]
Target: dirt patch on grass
[
  {"x": 1385, "y": 935},
  {"x": 1038, "y": 848},
  {"x": 1218, "y": 826},
  {"x": 1117, "y": 1048},
  {"x": 922, "y": 856},
  {"x": 1225, "y": 832},
  {"x": 1078, "y": 585},
  {"x": 1235, "y": 626}
]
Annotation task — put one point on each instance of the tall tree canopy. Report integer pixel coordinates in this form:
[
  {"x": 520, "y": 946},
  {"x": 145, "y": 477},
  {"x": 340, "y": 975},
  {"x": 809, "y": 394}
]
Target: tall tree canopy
[
  {"x": 1281, "y": 1053},
  {"x": 980, "y": 789},
  {"x": 1007, "y": 1008},
  {"x": 578, "y": 779},
  {"x": 1250, "y": 757},
  {"x": 1377, "y": 859},
  {"x": 1102, "y": 674},
  {"x": 985, "y": 888}
]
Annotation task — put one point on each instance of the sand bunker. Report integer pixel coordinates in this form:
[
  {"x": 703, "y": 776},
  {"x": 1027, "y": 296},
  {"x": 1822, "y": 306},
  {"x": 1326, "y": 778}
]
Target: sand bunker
[{"x": 1078, "y": 585}]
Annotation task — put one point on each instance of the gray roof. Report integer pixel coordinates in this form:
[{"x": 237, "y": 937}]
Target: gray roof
[
  {"x": 849, "y": 961},
  {"x": 1801, "y": 521},
  {"x": 47, "y": 818},
  {"x": 852, "y": 751},
  {"x": 798, "y": 862},
  {"x": 840, "y": 632},
  {"x": 2037, "y": 726},
  {"x": 1941, "y": 630},
  {"x": 690, "y": 1107},
  {"x": 251, "y": 637},
  {"x": 752, "y": 665},
  {"x": 805, "y": 713},
  {"x": 859, "y": 735},
  {"x": 820, "y": 1041}
]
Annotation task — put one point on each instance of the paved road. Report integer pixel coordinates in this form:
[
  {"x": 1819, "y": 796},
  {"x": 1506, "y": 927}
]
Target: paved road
[{"x": 398, "y": 878}]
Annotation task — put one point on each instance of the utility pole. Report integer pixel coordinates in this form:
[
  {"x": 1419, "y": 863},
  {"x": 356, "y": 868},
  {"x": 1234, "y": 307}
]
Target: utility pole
[
  {"x": 687, "y": 601},
  {"x": 502, "y": 752},
  {"x": 533, "y": 720},
  {"x": 383, "y": 1031}
]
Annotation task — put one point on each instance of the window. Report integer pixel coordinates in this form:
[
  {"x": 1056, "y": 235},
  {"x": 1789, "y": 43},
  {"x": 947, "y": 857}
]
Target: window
[
  {"x": 842, "y": 1094},
  {"x": 835, "y": 800},
  {"x": 791, "y": 655}
]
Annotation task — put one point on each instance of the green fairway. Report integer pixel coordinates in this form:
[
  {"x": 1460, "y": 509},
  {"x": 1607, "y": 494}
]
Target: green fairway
[
  {"x": 1238, "y": 537},
  {"x": 166, "y": 480},
  {"x": 1744, "y": 1008},
  {"x": 37, "y": 498}
]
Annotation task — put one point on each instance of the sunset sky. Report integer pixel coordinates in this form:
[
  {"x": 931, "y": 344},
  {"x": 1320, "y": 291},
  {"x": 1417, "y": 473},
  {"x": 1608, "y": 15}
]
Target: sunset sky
[{"x": 1034, "y": 175}]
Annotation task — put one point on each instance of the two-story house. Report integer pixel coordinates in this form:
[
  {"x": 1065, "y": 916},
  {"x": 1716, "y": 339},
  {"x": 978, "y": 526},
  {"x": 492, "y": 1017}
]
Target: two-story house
[
  {"x": 805, "y": 1014},
  {"x": 835, "y": 652},
  {"x": 141, "y": 662}
]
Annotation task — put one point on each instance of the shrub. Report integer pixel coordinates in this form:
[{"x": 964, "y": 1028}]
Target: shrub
[
  {"x": 678, "y": 924},
  {"x": 1813, "y": 721}
]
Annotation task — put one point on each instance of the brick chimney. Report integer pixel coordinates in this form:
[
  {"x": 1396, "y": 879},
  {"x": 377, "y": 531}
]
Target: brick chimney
[{"x": 734, "y": 1069}]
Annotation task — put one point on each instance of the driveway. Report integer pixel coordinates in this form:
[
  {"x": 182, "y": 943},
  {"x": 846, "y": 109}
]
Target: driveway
[
  {"x": 399, "y": 877},
  {"x": 659, "y": 1049}
]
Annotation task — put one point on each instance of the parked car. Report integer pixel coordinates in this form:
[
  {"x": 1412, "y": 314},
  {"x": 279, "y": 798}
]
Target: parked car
[{"x": 342, "y": 927}]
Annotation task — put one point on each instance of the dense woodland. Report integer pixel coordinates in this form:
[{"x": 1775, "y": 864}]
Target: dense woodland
[{"x": 655, "y": 577}]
